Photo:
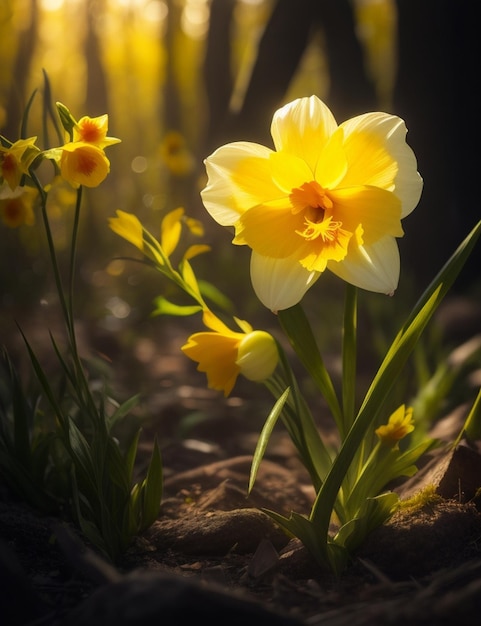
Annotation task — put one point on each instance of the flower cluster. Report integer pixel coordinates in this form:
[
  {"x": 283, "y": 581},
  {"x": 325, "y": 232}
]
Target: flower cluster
[
  {"x": 81, "y": 160},
  {"x": 16, "y": 200}
]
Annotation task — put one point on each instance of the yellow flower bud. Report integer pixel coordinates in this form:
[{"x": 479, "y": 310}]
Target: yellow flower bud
[
  {"x": 399, "y": 425},
  {"x": 257, "y": 355},
  {"x": 223, "y": 354}
]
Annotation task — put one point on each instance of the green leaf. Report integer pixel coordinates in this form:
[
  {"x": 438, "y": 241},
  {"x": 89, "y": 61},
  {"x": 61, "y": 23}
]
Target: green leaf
[
  {"x": 131, "y": 455},
  {"x": 472, "y": 425},
  {"x": 153, "y": 489},
  {"x": 390, "y": 369},
  {"x": 23, "y": 129},
  {"x": 264, "y": 436},
  {"x": 121, "y": 411},
  {"x": 66, "y": 118},
  {"x": 215, "y": 295},
  {"x": 83, "y": 460},
  {"x": 22, "y": 416},
  {"x": 373, "y": 513},
  {"x": 6, "y": 143},
  {"x": 116, "y": 467},
  {"x": 301, "y": 527},
  {"x": 88, "y": 527},
  {"x": 165, "y": 307},
  {"x": 43, "y": 379}
]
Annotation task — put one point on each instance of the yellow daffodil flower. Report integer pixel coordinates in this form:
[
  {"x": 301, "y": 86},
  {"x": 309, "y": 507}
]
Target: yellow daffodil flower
[
  {"x": 223, "y": 354},
  {"x": 328, "y": 197},
  {"x": 83, "y": 163},
  {"x": 399, "y": 425},
  {"x": 16, "y": 159},
  {"x": 176, "y": 155},
  {"x": 93, "y": 130},
  {"x": 16, "y": 207}
]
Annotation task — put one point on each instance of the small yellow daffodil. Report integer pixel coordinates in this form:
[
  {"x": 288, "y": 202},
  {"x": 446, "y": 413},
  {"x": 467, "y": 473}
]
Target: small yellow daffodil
[
  {"x": 16, "y": 159},
  {"x": 223, "y": 354},
  {"x": 328, "y": 197},
  {"x": 93, "y": 130},
  {"x": 83, "y": 163},
  {"x": 176, "y": 155},
  {"x": 399, "y": 425},
  {"x": 16, "y": 207}
]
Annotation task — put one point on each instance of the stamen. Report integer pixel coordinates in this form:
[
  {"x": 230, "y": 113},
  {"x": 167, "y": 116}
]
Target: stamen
[{"x": 327, "y": 230}]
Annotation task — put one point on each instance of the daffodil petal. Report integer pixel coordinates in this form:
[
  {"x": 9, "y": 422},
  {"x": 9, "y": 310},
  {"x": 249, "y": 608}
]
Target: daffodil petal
[
  {"x": 83, "y": 164},
  {"x": 215, "y": 354},
  {"x": 214, "y": 323},
  {"x": 303, "y": 127},
  {"x": 375, "y": 267},
  {"x": 238, "y": 179},
  {"x": 280, "y": 283},
  {"x": 378, "y": 212},
  {"x": 170, "y": 230},
  {"x": 129, "y": 227},
  {"x": 332, "y": 164},
  {"x": 281, "y": 225},
  {"x": 377, "y": 152}
]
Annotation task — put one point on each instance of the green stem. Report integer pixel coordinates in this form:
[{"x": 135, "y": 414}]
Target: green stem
[
  {"x": 349, "y": 357},
  {"x": 73, "y": 255},
  {"x": 51, "y": 246},
  {"x": 298, "y": 330},
  {"x": 82, "y": 388}
]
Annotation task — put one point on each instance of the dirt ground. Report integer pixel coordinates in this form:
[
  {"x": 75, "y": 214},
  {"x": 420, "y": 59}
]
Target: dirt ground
[{"x": 214, "y": 554}]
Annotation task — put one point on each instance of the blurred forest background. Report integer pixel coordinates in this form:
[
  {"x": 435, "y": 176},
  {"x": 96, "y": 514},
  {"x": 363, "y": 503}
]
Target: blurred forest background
[{"x": 180, "y": 77}]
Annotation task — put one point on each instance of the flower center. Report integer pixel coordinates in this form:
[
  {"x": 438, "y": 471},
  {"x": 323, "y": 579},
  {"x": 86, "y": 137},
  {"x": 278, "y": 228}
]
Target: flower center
[
  {"x": 8, "y": 163},
  {"x": 13, "y": 209},
  {"x": 317, "y": 206},
  {"x": 90, "y": 132},
  {"x": 86, "y": 163},
  {"x": 309, "y": 195}
]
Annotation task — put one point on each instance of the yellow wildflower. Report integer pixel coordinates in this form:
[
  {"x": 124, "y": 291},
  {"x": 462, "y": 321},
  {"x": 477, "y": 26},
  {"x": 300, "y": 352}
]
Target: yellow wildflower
[
  {"x": 223, "y": 354},
  {"x": 16, "y": 159},
  {"x": 83, "y": 163},
  {"x": 176, "y": 155},
  {"x": 329, "y": 197},
  {"x": 399, "y": 425},
  {"x": 16, "y": 207},
  {"x": 94, "y": 130}
]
